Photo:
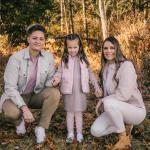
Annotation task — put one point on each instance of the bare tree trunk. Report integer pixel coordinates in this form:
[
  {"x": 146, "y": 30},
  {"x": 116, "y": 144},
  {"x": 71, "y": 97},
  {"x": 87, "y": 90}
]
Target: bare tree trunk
[
  {"x": 85, "y": 22},
  {"x": 71, "y": 16},
  {"x": 134, "y": 7},
  {"x": 146, "y": 13},
  {"x": 139, "y": 3},
  {"x": 62, "y": 18},
  {"x": 84, "y": 16},
  {"x": 103, "y": 18},
  {"x": 66, "y": 18},
  {"x": 98, "y": 22}
]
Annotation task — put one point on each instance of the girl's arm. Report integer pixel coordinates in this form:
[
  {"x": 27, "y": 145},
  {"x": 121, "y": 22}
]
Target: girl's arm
[
  {"x": 56, "y": 78},
  {"x": 98, "y": 91}
]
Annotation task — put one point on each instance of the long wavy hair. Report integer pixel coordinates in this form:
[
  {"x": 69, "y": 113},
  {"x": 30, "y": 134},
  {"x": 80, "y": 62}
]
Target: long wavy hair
[
  {"x": 119, "y": 57},
  {"x": 81, "y": 54}
]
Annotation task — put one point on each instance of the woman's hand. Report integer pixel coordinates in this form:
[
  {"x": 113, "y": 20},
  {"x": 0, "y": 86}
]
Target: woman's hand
[
  {"x": 27, "y": 115},
  {"x": 98, "y": 107},
  {"x": 98, "y": 93}
]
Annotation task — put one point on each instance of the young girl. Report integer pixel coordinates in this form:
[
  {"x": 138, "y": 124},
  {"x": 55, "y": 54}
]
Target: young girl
[
  {"x": 122, "y": 102},
  {"x": 74, "y": 75}
]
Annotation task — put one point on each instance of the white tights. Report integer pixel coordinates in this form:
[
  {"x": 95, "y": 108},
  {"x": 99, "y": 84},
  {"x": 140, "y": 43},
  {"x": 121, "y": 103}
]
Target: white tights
[
  {"x": 115, "y": 114},
  {"x": 77, "y": 116}
]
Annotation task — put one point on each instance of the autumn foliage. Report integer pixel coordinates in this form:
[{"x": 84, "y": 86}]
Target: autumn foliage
[{"x": 134, "y": 36}]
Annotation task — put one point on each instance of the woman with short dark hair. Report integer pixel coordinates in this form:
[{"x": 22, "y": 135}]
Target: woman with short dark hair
[{"x": 27, "y": 84}]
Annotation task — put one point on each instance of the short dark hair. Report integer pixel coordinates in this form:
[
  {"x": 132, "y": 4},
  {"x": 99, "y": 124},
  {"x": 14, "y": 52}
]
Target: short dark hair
[{"x": 35, "y": 27}]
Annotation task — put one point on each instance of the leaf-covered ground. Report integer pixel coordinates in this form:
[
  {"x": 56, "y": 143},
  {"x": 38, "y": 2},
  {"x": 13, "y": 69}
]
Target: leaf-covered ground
[{"x": 56, "y": 133}]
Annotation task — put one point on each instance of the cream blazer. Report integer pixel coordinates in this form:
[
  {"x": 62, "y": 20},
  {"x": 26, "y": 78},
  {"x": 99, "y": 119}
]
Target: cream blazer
[{"x": 17, "y": 74}]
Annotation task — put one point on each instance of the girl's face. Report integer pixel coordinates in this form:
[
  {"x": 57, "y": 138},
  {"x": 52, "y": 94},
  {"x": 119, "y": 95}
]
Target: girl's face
[
  {"x": 36, "y": 40},
  {"x": 109, "y": 52},
  {"x": 73, "y": 47}
]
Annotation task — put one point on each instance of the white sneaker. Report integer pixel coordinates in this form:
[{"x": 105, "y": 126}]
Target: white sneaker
[
  {"x": 21, "y": 129},
  {"x": 80, "y": 137},
  {"x": 40, "y": 134},
  {"x": 70, "y": 138}
]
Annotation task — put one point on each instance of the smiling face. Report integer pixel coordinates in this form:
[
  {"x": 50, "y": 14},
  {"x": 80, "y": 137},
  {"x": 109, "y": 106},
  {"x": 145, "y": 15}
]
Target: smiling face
[
  {"x": 73, "y": 47},
  {"x": 36, "y": 40},
  {"x": 109, "y": 52}
]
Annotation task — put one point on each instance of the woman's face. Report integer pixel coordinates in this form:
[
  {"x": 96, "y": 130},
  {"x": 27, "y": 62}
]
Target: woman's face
[
  {"x": 73, "y": 47},
  {"x": 109, "y": 52},
  {"x": 36, "y": 40}
]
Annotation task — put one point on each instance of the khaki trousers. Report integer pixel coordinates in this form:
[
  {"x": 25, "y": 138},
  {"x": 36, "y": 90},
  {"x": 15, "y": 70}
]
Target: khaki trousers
[{"x": 47, "y": 100}]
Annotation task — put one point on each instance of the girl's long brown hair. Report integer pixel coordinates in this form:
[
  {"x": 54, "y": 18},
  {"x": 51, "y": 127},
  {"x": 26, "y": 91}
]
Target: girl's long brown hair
[{"x": 81, "y": 52}]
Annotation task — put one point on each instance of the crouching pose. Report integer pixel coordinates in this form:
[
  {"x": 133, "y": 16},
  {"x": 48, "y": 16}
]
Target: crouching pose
[
  {"x": 26, "y": 78},
  {"x": 122, "y": 105}
]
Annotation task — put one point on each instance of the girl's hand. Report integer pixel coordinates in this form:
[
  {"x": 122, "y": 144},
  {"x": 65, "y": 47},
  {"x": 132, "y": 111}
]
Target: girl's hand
[
  {"x": 98, "y": 93},
  {"x": 98, "y": 106},
  {"x": 56, "y": 80},
  {"x": 27, "y": 115}
]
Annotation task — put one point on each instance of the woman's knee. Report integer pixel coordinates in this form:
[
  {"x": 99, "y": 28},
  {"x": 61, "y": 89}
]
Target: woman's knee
[
  {"x": 56, "y": 94},
  {"x": 51, "y": 94},
  {"x": 109, "y": 104},
  {"x": 11, "y": 111},
  {"x": 94, "y": 131},
  {"x": 13, "y": 114}
]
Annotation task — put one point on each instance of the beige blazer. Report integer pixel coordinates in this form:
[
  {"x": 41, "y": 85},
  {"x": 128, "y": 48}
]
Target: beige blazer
[{"x": 127, "y": 89}]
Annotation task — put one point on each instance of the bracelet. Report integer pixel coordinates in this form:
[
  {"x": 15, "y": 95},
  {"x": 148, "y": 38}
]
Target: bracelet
[{"x": 24, "y": 108}]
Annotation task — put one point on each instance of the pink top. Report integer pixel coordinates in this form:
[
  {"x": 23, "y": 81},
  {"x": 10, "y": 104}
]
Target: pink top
[{"x": 33, "y": 74}]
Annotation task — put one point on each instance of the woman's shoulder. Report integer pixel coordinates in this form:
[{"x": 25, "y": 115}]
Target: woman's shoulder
[
  {"x": 127, "y": 64},
  {"x": 127, "y": 67},
  {"x": 18, "y": 55},
  {"x": 47, "y": 54}
]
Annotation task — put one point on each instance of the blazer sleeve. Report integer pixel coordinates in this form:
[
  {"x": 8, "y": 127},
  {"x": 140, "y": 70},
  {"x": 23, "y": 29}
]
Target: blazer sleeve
[
  {"x": 11, "y": 76},
  {"x": 51, "y": 71},
  {"x": 127, "y": 82}
]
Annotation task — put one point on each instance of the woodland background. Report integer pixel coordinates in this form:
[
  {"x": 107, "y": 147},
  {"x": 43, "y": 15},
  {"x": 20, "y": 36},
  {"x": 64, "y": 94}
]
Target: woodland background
[{"x": 93, "y": 20}]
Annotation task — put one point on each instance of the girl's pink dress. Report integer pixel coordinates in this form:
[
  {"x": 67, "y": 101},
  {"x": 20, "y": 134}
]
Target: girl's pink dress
[{"x": 77, "y": 101}]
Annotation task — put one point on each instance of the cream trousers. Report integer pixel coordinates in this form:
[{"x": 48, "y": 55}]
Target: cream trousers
[{"x": 116, "y": 114}]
